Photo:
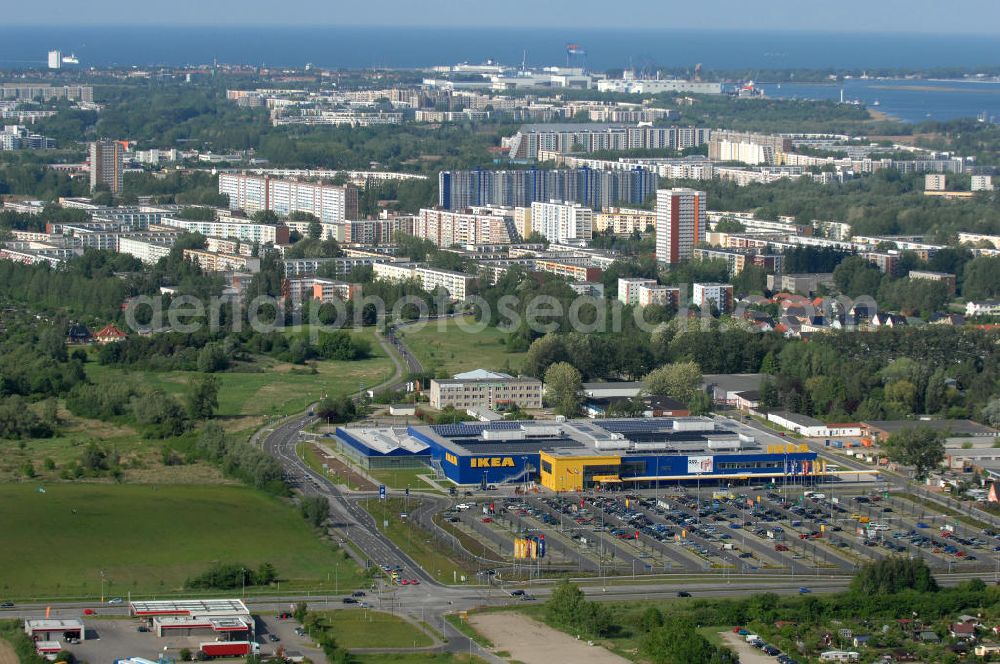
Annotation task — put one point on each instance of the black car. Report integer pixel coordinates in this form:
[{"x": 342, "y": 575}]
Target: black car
[
  {"x": 683, "y": 593},
  {"x": 274, "y": 638},
  {"x": 7, "y": 605},
  {"x": 349, "y": 600},
  {"x": 358, "y": 593}
]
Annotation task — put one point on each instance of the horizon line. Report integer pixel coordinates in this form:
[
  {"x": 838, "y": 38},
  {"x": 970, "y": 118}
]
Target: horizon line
[{"x": 518, "y": 28}]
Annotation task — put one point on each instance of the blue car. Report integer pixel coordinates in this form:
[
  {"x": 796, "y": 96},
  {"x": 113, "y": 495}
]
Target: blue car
[{"x": 804, "y": 591}]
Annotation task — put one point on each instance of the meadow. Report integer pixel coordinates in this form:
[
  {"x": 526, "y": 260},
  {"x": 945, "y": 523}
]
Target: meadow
[
  {"x": 445, "y": 348},
  {"x": 148, "y": 539}
]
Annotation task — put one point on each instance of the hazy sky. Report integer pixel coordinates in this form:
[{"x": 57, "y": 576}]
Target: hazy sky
[{"x": 932, "y": 16}]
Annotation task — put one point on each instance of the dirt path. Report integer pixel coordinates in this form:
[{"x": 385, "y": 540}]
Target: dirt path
[
  {"x": 7, "y": 655},
  {"x": 532, "y": 642},
  {"x": 746, "y": 652}
]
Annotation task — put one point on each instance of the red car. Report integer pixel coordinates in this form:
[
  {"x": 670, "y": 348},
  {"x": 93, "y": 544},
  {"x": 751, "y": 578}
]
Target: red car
[
  {"x": 404, "y": 582},
  {"x": 487, "y": 519},
  {"x": 89, "y": 612},
  {"x": 414, "y": 582}
]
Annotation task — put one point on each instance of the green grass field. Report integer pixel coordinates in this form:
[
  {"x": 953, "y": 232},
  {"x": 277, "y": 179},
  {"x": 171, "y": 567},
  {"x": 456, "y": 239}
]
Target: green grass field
[
  {"x": 269, "y": 388},
  {"x": 362, "y": 628},
  {"x": 405, "y": 477},
  {"x": 446, "y": 349},
  {"x": 150, "y": 539}
]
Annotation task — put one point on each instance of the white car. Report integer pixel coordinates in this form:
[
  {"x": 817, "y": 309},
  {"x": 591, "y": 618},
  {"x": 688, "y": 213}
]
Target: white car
[{"x": 115, "y": 600}]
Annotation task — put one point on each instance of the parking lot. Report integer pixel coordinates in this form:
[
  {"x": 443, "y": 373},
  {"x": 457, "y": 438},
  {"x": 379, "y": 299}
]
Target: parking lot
[{"x": 807, "y": 531}]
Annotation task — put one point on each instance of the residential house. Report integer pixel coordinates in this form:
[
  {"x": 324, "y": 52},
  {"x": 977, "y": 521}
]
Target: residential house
[{"x": 109, "y": 334}]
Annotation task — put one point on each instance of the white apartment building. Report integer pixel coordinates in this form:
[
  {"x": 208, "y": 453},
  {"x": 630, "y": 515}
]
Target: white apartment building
[
  {"x": 663, "y": 296},
  {"x": 681, "y": 223},
  {"x": 624, "y": 221},
  {"x": 481, "y": 225},
  {"x": 457, "y": 284},
  {"x": 975, "y": 238},
  {"x": 982, "y": 183},
  {"x": 628, "y": 288},
  {"x": 935, "y": 182},
  {"x": 148, "y": 251},
  {"x": 231, "y": 227},
  {"x": 706, "y": 295},
  {"x": 253, "y": 193},
  {"x": 560, "y": 222}
]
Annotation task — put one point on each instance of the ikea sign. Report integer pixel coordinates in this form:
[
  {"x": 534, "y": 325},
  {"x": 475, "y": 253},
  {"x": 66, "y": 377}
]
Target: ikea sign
[
  {"x": 451, "y": 458},
  {"x": 491, "y": 462}
]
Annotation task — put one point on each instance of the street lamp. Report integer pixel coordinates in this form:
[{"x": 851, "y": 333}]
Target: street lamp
[{"x": 102, "y": 586}]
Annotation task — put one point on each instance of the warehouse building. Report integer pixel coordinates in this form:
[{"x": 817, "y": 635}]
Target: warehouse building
[
  {"x": 384, "y": 448},
  {"x": 584, "y": 454}
]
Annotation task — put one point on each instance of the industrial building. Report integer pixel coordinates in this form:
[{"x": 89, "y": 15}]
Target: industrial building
[
  {"x": 54, "y": 630},
  {"x": 585, "y": 454}
]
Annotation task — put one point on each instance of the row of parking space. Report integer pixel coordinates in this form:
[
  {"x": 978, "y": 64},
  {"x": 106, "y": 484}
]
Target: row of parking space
[{"x": 836, "y": 529}]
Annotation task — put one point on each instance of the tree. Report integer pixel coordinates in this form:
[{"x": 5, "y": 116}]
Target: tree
[
  {"x": 893, "y": 575},
  {"x": 315, "y": 510},
  {"x": 315, "y": 230},
  {"x": 265, "y": 217},
  {"x": 203, "y": 399},
  {"x": 918, "y": 446},
  {"x": 337, "y": 410},
  {"x": 680, "y": 380},
  {"x": 991, "y": 412},
  {"x": 564, "y": 383}
]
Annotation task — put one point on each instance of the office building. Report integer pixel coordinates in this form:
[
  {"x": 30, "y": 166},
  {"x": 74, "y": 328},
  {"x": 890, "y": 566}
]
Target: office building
[
  {"x": 486, "y": 389},
  {"x": 709, "y": 295},
  {"x": 107, "y": 165},
  {"x": 254, "y": 193},
  {"x": 560, "y": 222},
  {"x": 681, "y": 223}
]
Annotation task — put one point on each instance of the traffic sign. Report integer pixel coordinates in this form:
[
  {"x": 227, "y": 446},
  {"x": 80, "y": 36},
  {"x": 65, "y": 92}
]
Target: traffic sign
[{"x": 381, "y": 492}]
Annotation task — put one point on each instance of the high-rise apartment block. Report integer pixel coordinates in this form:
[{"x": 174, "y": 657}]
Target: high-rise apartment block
[
  {"x": 107, "y": 165},
  {"x": 560, "y": 222},
  {"x": 681, "y": 222}
]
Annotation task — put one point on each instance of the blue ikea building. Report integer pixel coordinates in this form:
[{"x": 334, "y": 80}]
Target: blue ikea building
[{"x": 584, "y": 454}]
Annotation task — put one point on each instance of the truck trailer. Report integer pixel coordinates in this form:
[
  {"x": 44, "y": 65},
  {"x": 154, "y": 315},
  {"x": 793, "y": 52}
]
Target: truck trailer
[{"x": 230, "y": 648}]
